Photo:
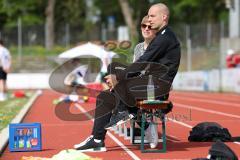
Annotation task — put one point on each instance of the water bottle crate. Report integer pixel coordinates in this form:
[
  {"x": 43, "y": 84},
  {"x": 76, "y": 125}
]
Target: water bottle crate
[{"x": 25, "y": 137}]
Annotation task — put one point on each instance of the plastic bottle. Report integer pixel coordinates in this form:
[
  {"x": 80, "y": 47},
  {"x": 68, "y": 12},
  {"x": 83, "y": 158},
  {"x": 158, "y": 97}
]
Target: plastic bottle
[{"x": 150, "y": 89}]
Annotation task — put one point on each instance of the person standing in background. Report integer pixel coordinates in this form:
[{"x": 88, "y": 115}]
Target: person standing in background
[{"x": 5, "y": 64}]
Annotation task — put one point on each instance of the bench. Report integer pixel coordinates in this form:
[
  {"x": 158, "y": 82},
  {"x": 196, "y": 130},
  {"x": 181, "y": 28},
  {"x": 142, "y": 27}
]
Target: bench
[{"x": 148, "y": 109}]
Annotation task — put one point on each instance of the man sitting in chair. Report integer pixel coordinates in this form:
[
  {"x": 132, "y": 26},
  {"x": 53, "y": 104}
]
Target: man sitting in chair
[{"x": 161, "y": 60}]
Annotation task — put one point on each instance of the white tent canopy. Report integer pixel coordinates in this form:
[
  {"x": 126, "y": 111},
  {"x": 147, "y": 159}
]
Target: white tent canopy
[
  {"x": 90, "y": 49},
  {"x": 86, "y": 50}
]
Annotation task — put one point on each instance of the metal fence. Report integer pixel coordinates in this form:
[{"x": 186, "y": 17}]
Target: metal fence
[
  {"x": 201, "y": 45},
  {"x": 200, "y": 42}
]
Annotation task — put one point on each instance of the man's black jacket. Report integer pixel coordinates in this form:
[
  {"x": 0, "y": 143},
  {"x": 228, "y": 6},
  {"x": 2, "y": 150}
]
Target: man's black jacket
[{"x": 164, "y": 50}]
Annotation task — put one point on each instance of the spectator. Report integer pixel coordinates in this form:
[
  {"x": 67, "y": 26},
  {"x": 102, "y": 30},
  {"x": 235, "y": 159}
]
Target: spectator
[
  {"x": 5, "y": 63},
  {"x": 232, "y": 59},
  {"x": 164, "y": 49}
]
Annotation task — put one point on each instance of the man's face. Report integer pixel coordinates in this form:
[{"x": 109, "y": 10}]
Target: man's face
[
  {"x": 155, "y": 18},
  {"x": 147, "y": 32}
]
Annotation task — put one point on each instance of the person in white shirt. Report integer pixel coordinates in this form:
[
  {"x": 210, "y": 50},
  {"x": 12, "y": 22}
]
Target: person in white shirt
[{"x": 5, "y": 64}]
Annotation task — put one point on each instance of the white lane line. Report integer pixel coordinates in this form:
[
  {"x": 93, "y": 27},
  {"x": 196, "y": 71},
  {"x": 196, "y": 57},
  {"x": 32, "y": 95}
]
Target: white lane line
[
  {"x": 206, "y": 110},
  {"x": 203, "y": 95},
  {"x": 84, "y": 111},
  {"x": 237, "y": 105},
  {"x": 237, "y": 143},
  {"x": 181, "y": 123},
  {"x": 129, "y": 152}
]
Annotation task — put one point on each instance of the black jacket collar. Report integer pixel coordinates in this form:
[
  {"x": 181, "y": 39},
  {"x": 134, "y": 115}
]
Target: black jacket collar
[{"x": 160, "y": 31}]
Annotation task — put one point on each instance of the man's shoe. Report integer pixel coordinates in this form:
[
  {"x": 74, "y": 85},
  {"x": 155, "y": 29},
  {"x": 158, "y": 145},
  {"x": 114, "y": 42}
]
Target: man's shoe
[
  {"x": 91, "y": 145},
  {"x": 151, "y": 134},
  {"x": 83, "y": 142},
  {"x": 118, "y": 118}
]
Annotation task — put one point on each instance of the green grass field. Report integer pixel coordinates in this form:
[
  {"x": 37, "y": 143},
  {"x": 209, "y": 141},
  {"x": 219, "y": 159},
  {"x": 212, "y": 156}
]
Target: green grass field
[{"x": 10, "y": 108}]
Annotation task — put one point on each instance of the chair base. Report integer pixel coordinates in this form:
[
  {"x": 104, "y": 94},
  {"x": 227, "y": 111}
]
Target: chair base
[{"x": 149, "y": 110}]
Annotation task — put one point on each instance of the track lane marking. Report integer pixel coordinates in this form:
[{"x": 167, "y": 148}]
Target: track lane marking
[
  {"x": 134, "y": 156},
  {"x": 237, "y": 105},
  {"x": 206, "y": 95},
  {"x": 181, "y": 123},
  {"x": 129, "y": 152},
  {"x": 206, "y": 110}
]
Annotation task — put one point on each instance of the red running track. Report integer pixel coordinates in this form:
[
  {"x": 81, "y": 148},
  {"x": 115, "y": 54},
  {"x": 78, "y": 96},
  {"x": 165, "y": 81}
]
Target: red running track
[{"x": 190, "y": 108}]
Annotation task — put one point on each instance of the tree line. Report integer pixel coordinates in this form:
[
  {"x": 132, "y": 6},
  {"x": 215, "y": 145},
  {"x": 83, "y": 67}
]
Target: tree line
[{"x": 87, "y": 13}]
